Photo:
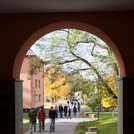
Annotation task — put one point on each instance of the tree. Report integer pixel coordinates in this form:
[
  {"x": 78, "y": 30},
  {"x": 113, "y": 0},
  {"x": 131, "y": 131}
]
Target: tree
[
  {"x": 55, "y": 84},
  {"x": 107, "y": 101},
  {"x": 34, "y": 63},
  {"x": 76, "y": 82},
  {"x": 79, "y": 51}
]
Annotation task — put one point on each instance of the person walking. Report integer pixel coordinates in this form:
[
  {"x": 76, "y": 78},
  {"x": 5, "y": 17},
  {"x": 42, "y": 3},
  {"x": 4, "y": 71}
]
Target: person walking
[
  {"x": 56, "y": 109},
  {"x": 69, "y": 112},
  {"x": 42, "y": 118},
  {"x": 75, "y": 110},
  {"x": 61, "y": 110},
  {"x": 32, "y": 118},
  {"x": 65, "y": 110},
  {"x": 52, "y": 116},
  {"x": 72, "y": 103},
  {"x": 67, "y": 103},
  {"x": 78, "y": 106}
]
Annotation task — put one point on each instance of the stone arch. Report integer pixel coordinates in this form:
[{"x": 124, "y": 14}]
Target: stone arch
[{"x": 61, "y": 25}]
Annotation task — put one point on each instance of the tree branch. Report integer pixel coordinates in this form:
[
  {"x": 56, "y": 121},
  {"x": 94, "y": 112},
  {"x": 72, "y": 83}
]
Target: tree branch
[
  {"x": 68, "y": 61},
  {"x": 78, "y": 70},
  {"x": 93, "y": 49},
  {"x": 83, "y": 69},
  {"x": 97, "y": 73},
  {"x": 47, "y": 62},
  {"x": 91, "y": 41},
  {"x": 64, "y": 30},
  {"x": 90, "y": 65}
]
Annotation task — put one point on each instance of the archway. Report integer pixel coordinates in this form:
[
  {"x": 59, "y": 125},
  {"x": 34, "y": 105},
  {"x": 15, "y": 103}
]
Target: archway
[{"x": 62, "y": 25}]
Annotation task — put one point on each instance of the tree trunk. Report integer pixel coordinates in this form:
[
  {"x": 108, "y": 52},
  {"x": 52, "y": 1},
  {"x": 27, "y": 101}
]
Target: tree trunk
[
  {"x": 55, "y": 99},
  {"x": 113, "y": 113},
  {"x": 52, "y": 100}
]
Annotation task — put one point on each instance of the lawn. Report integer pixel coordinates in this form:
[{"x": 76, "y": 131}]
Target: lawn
[
  {"x": 25, "y": 116},
  {"x": 106, "y": 125},
  {"x": 26, "y": 127}
]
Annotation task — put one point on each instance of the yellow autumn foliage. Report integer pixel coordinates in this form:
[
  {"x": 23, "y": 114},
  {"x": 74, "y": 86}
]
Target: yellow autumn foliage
[
  {"x": 107, "y": 100},
  {"x": 55, "y": 85}
]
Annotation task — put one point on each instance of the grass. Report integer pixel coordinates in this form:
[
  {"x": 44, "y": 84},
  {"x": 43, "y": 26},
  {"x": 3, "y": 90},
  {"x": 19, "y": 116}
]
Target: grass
[
  {"x": 46, "y": 108},
  {"x": 26, "y": 127},
  {"x": 25, "y": 116},
  {"x": 106, "y": 125}
]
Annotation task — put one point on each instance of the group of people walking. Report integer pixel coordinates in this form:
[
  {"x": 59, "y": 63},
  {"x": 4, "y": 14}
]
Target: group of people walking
[
  {"x": 63, "y": 110},
  {"x": 42, "y": 117},
  {"x": 67, "y": 109}
]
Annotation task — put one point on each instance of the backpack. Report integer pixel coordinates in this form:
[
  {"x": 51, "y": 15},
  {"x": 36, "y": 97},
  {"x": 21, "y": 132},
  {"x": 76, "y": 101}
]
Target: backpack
[{"x": 75, "y": 109}]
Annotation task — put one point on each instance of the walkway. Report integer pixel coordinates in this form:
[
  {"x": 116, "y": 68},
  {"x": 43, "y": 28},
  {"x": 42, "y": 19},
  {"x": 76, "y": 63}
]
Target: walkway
[{"x": 63, "y": 126}]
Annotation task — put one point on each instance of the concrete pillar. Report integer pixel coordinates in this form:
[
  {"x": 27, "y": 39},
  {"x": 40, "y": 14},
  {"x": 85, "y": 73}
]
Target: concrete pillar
[
  {"x": 11, "y": 107},
  {"x": 126, "y": 106}
]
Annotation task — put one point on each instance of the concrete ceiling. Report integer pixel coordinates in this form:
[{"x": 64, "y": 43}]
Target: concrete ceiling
[{"x": 41, "y": 6}]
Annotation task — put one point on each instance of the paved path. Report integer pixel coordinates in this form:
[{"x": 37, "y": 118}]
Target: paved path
[{"x": 63, "y": 126}]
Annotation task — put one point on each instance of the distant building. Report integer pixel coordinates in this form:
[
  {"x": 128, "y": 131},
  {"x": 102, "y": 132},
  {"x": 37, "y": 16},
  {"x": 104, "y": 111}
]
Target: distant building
[{"x": 33, "y": 85}]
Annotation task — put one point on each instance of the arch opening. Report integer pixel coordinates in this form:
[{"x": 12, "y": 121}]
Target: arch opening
[{"x": 63, "y": 25}]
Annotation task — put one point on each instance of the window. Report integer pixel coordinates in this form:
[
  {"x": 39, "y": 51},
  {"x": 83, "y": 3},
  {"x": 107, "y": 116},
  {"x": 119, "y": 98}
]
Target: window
[
  {"x": 39, "y": 83},
  {"x": 39, "y": 97},
  {"x": 35, "y": 82},
  {"x": 36, "y": 98}
]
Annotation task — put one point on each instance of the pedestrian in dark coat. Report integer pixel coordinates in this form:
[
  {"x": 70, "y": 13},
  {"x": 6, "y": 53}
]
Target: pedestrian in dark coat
[
  {"x": 61, "y": 110},
  {"x": 67, "y": 102},
  {"x": 42, "y": 118},
  {"x": 75, "y": 110},
  {"x": 65, "y": 110},
  {"x": 69, "y": 112},
  {"x": 52, "y": 116},
  {"x": 56, "y": 109},
  {"x": 32, "y": 118},
  {"x": 78, "y": 106}
]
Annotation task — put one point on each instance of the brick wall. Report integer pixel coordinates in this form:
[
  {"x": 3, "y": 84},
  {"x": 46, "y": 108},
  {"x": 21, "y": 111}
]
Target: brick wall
[{"x": 33, "y": 95}]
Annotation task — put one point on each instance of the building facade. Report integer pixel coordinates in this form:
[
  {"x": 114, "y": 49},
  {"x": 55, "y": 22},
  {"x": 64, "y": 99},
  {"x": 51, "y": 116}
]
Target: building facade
[{"x": 33, "y": 86}]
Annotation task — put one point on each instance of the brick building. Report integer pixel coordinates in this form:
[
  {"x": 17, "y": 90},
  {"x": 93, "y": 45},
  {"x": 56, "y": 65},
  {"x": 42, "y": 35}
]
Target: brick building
[{"x": 33, "y": 85}]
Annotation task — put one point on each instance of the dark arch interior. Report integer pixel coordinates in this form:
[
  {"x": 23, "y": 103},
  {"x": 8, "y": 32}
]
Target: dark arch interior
[{"x": 19, "y": 31}]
